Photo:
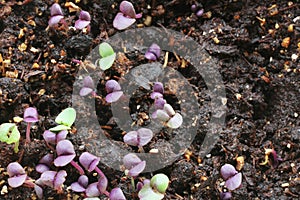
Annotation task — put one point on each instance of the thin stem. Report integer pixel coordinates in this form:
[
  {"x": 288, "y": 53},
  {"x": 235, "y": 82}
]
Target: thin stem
[
  {"x": 28, "y": 132},
  {"x": 29, "y": 183},
  {"x": 99, "y": 172},
  {"x": 106, "y": 193},
  {"x": 132, "y": 183},
  {"x": 75, "y": 164}
]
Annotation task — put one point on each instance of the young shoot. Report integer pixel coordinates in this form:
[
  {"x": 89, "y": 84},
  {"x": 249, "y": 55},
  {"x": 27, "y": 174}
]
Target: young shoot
[
  {"x": 155, "y": 188},
  {"x": 233, "y": 178},
  {"x": 107, "y": 54},
  {"x": 65, "y": 119},
  {"x": 30, "y": 116}
]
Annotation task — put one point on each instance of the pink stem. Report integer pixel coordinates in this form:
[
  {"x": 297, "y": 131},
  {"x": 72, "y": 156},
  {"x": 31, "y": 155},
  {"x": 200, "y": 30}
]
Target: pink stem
[
  {"x": 28, "y": 132},
  {"x": 99, "y": 172},
  {"x": 106, "y": 193},
  {"x": 28, "y": 183},
  {"x": 75, "y": 164}
]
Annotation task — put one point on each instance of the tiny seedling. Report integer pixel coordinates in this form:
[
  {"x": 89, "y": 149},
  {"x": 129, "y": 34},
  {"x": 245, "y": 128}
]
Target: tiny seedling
[
  {"x": 18, "y": 176},
  {"x": 52, "y": 179},
  {"x": 126, "y": 17},
  {"x": 90, "y": 162},
  {"x": 9, "y": 134},
  {"x": 153, "y": 52},
  {"x": 158, "y": 90},
  {"x": 81, "y": 184},
  {"x": 139, "y": 138},
  {"x": 107, "y": 54},
  {"x": 30, "y": 116},
  {"x": 275, "y": 161},
  {"x": 133, "y": 164},
  {"x": 158, "y": 105},
  {"x": 233, "y": 178},
  {"x": 45, "y": 163},
  {"x": 113, "y": 90},
  {"x": 65, "y": 119},
  {"x": 54, "y": 138},
  {"x": 168, "y": 115},
  {"x": 88, "y": 87},
  {"x": 197, "y": 9},
  {"x": 155, "y": 188},
  {"x": 65, "y": 155},
  {"x": 83, "y": 21},
  {"x": 56, "y": 15}
]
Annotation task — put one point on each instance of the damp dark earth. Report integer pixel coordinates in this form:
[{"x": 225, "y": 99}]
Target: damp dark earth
[{"x": 253, "y": 45}]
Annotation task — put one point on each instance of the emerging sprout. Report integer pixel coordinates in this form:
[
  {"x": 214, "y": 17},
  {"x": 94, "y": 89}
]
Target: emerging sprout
[
  {"x": 126, "y": 17},
  {"x": 116, "y": 194},
  {"x": 155, "y": 188},
  {"x": 83, "y": 21},
  {"x": 133, "y": 164},
  {"x": 9, "y": 134},
  {"x": 158, "y": 90},
  {"x": 17, "y": 175},
  {"x": 225, "y": 195},
  {"x": 153, "y": 52},
  {"x": 65, "y": 119},
  {"x": 274, "y": 163},
  {"x": 65, "y": 155},
  {"x": 113, "y": 89},
  {"x": 90, "y": 162},
  {"x": 138, "y": 138},
  {"x": 233, "y": 179},
  {"x": 168, "y": 115},
  {"x": 30, "y": 116},
  {"x": 56, "y": 15},
  {"x": 45, "y": 163},
  {"x": 107, "y": 54},
  {"x": 88, "y": 87},
  {"x": 53, "y": 138},
  {"x": 52, "y": 179},
  {"x": 81, "y": 184}
]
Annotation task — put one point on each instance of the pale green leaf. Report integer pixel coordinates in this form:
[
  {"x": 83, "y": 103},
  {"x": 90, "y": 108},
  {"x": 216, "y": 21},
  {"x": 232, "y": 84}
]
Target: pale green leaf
[{"x": 66, "y": 117}]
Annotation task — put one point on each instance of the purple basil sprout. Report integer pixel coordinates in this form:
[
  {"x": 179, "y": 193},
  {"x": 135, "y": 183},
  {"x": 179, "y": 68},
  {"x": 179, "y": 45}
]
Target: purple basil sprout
[
  {"x": 18, "y": 176},
  {"x": 233, "y": 179},
  {"x": 30, "y": 116},
  {"x": 88, "y": 87},
  {"x": 52, "y": 179},
  {"x": 92, "y": 190},
  {"x": 158, "y": 90},
  {"x": 83, "y": 21},
  {"x": 139, "y": 138},
  {"x": 153, "y": 52},
  {"x": 66, "y": 153},
  {"x": 133, "y": 164},
  {"x": 54, "y": 138},
  {"x": 225, "y": 195},
  {"x": 81, "y": 184},
  {"x": 45, "y": 163},
  {"x": 126, "y": 17},
  {"x": 113, "y": 89},
  {"x": 158, "y": 105},
  {"x": 116, "y": 194},
  {"x": 56, "y": 15},
  {"x": 168, "y": 115}
]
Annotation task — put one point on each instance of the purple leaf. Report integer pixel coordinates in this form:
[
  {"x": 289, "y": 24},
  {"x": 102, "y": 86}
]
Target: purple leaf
[
  {"x": 39, "y": 191},
  {"x": 153, "y": 53},
  {"x": 53, "y": 138},
  {"x": 159, "y": 103},
  {"x": 55, "y": 10},
  {"x": 122, "y": 22},
  {"x": 59, "y": 179},
  {"x": 55, "y": 20},
  {"x": 175, "y": 121},
  {"x": 234, "y": 182},
  {"x": 228, "y": 171},
  {"x": 131, "y": 138},
  {"x": 113, "y": 97},
  {"x": 139, "y": 186},
  {"x": 136, "y": 170},
  {"x": 112, "y": 86},
  {"x": 92, "y": 190},
  {"x": 127, "y": 9},
  {"x": 66, "y": 153},
  {"x": 89, "y": 161},
  {"x": 44, "y": 163},
  {"x": 130, "y": 160},
  {"x": 17, "y": 181},
  {"x": 30, "y": 115},
  {"x": 15, "y": 169},
  {"x": 116, "y": 194},
  {"x": 169, "y": 110},
  {"x": 47, "y": 178},
  {"x": 81, "y": 24},
  {"x": 85, "y": 91},
  {"x": 88, "y": 82},
  {"x": 225, "y": 195},
  {"x": 102, "y": 184},
  {"x": 84, "y": 15},
  {"x": 81, "y": 184},
  {"x": 158, "y": 87},
  {"x": 156, "y": 95},
  {"x": 144, "y": 136}
]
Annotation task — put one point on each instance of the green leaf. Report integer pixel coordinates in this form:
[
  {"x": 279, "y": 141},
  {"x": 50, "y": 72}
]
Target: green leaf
[
  {"x": 147, "y": 193},
  {"x": 5, "y": 130},
  {"x": 160, "y": 182},
  {"x": 106, "y": 62},
  {"x": 105, "y": 50},
  {"x": 66, "y": 117},
  {"x": 59, "y": 128},
  {"x": 14, "y": 135},
  {"x": 9, "y": 133}
]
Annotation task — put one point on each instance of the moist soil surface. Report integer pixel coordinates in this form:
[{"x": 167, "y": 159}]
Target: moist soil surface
[{"x": 255, "y": 47}]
